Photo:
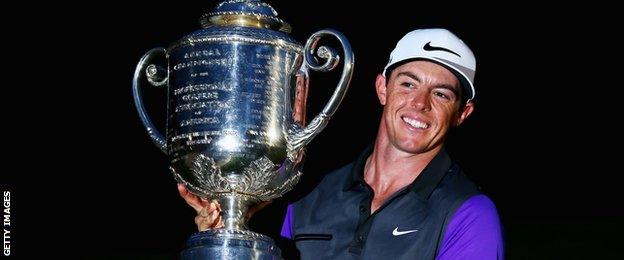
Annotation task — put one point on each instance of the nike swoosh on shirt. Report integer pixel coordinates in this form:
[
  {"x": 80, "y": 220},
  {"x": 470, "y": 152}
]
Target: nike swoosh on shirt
[{"x": 396, "y": 231}]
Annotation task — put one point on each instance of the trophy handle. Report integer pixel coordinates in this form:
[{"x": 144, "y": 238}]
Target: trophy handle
[
  {"x": 153, "y": 77},
  {"x": 298, "y": 137}
]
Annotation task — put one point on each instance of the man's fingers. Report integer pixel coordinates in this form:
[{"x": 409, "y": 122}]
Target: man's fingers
[
  {"x": 202, "y": 220},
  {"x": 202, "y": 224},
  {"x": 207, "y": 219},
  {"x": 217, "y": 222},
  {"x": 217, "y": 205},
  {"x": 208, "y": 212},
  {"x": 190, "y": 198},
  {"x": 220, "y": 223},
  {"x": 213, "y": 206}
]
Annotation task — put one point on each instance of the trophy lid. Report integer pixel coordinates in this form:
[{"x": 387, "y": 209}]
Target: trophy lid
[{"x": 245, "y": 13}]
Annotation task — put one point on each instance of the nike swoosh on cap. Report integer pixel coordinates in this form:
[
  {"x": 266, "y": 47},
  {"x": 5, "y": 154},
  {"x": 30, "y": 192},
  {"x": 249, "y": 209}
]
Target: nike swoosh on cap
[
  {"x": 428, "y": 47},
  {"x": 396, "y": 231}
]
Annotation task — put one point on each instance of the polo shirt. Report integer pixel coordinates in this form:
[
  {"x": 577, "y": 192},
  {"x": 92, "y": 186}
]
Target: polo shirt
[{"x": 440, "y": 215}]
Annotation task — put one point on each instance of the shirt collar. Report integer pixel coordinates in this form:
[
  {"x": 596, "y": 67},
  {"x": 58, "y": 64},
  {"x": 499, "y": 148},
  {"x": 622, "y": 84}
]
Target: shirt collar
[
  {"x": 423, "y": 185},
  {"x": 356, "y": 176}
]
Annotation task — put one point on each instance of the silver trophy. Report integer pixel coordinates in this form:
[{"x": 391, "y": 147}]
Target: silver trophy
[{"x": 236, "y": 130}]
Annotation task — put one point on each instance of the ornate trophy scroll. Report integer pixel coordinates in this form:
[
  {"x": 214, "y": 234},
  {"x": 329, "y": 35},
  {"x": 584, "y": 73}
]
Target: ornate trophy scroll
[{"x": 236, "y": 130}]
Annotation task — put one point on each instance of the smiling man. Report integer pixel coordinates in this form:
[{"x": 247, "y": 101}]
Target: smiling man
[{"x": 403, "y": 198}]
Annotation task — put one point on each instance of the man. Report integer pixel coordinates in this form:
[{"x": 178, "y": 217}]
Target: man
[{"x": 403, "y": 198}]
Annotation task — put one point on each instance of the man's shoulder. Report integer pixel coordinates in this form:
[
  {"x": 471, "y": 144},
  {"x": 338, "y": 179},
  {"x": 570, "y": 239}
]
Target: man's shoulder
[
  {"x": 339, "y": 175},
  {"x": 455, "y": 188},
  {"x": 334, "y": 180},
  {"x": 457, "y": 182},
  {"x": 331, "y": 184}
]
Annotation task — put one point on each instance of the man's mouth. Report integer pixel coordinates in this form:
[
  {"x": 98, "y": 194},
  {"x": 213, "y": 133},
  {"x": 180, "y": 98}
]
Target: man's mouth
[{"x": 415, "y": 123}]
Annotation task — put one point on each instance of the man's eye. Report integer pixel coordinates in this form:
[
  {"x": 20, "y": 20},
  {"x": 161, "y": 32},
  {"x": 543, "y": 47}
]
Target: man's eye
[
  {"x": 407, "y": 85},
  {"x": 442, "y": 95}
]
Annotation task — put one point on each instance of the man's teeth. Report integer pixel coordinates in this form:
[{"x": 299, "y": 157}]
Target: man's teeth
[{"x": 415, "y": 123}]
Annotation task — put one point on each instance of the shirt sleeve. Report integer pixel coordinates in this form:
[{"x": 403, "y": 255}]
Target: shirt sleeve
[
  {"x": 474, "y": 232},
  {"x": 287, "y": 224}
]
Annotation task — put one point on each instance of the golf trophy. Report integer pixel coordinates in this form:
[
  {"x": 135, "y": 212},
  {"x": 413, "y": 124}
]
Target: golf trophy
[{"x": 236, "y": 127}]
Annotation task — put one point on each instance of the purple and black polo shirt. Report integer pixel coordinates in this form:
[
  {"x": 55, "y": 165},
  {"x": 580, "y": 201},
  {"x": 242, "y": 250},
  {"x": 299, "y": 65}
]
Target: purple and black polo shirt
[{"x": 441, "y": 215}]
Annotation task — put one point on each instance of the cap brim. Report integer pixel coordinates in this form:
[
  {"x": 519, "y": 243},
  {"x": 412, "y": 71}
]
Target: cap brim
[{"x": 467, "y": 86}]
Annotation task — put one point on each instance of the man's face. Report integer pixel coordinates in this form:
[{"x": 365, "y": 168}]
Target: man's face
[{"x": 421, "y": 102}]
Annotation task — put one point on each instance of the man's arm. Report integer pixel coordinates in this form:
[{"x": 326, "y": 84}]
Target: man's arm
[{"x": 474, "y": 232}]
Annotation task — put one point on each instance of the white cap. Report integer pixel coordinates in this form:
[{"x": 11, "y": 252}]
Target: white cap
[{"x": 440, "y": 46}]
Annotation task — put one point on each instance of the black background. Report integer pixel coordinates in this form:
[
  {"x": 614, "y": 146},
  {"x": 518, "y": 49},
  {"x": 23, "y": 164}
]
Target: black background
[{"x": 543, "y": 142}]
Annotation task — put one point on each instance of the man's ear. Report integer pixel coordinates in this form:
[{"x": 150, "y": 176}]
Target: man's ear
[
  {"x": 465, "y": 113},
  {"x": 380, "y": 87}
]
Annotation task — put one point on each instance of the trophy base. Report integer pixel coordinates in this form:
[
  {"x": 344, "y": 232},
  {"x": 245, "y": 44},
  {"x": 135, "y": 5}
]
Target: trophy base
[{"x": 230, "y": 244}]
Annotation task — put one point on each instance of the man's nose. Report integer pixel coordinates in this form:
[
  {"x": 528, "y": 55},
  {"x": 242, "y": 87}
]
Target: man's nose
[{"x": 421, "y": 101}]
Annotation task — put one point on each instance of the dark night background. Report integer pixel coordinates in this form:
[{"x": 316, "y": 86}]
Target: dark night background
[{"x": 538, "y": 143}]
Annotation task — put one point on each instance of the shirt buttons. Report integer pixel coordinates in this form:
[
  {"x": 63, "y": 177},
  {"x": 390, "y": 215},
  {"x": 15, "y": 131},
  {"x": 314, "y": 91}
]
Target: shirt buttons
[{"x": 360, "y": 238}]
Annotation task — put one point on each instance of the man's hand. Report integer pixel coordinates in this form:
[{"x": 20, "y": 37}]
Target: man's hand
[{"x": 207, "y": 211}]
